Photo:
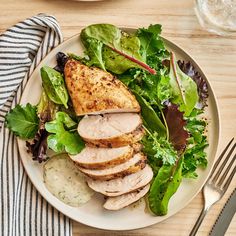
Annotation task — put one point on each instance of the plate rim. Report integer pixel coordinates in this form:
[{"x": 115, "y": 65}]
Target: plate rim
[{"x": 216, "y": 141}]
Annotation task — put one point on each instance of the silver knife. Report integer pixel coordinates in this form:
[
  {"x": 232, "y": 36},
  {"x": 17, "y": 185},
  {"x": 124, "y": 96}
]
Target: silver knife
[{"x": 225, "y": 217}]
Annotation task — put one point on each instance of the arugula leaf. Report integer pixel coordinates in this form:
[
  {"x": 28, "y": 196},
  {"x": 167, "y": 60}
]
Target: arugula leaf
[
  {"x": 54, "y": 85},
  {"x": 164, "y": 186},
  {"x": 23, "y": 121},
  {"x": 95, "y": 36},
  {"x": 64, "y": 138},
  {"x": 184, "y": 89}
]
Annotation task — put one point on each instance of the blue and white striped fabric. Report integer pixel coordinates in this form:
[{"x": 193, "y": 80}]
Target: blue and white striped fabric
[{"x": 23, "y": 211}]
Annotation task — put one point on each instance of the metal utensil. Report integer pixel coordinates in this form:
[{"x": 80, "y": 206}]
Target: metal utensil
[
  {"x": 222, "y": 174},
  {"x": 226, "y": 215}
]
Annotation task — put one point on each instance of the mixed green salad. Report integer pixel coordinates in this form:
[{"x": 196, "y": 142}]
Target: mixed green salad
[{"x": 171, "y": 93}]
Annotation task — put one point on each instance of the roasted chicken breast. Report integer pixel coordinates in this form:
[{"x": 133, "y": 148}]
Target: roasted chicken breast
[
  {"x": 136, "y": 163},
  {"x": 111, "y": 130},
  {"x": 119, "y": 202},
  {"x": 101, "y": 158},
  {"x": 95, "y": 91},
  {"x": 119, "y": 186}
]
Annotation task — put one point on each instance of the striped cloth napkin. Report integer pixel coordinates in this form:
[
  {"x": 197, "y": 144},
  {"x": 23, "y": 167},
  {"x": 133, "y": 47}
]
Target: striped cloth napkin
[{"x": 23, "y": 211}]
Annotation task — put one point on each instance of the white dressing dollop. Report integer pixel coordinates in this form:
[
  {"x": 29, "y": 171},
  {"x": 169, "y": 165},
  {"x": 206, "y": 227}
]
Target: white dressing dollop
[{"x": 65, "y": 181}]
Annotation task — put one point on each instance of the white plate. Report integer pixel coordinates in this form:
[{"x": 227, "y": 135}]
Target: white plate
[{"x": 92, "y": 213}]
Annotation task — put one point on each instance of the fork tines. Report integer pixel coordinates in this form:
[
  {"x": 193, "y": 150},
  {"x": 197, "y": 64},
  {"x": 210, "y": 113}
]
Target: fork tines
[{"x": 224, "y": 167}]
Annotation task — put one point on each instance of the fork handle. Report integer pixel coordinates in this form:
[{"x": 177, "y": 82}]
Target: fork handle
[{"x": 199, "y": 221}]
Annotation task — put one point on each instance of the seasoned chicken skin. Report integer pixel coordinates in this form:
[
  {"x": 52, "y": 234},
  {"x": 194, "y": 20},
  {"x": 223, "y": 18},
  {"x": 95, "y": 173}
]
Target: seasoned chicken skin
[
  {"x": 111, "y": 130},
  {"x": 94, "y": 91}
]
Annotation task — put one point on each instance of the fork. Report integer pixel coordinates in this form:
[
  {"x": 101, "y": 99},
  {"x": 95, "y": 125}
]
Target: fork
[{"x": 217, "y": 183}]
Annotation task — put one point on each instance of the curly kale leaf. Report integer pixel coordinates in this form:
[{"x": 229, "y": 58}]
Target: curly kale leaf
[
  {"x": 195, "y": 155},
  {"x": 158, "y": 150}
]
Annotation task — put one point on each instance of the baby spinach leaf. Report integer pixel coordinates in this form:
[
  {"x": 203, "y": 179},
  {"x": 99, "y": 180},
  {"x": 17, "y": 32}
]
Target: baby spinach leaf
[
  {"x": 54, "y": 85},
  {"x": 150, "y": 117},
  {"x": 164, "y": 186},
  {"x": 23, "y": 121}
]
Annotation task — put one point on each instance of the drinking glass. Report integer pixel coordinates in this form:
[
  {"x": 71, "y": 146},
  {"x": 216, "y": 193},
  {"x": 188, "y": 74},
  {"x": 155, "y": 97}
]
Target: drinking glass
[{"x": 218, "y": 16}]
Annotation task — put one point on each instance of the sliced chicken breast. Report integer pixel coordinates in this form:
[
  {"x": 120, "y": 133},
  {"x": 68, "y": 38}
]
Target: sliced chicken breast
[
  {"x": 119, "y": 202},
  {"x": 111, "y": 130},
  {"x": 95, "y": 91},
  {"x": 101, "y": 158},
  {"x": 119, "y": 186},
  {"x": 136, "y": 163}
]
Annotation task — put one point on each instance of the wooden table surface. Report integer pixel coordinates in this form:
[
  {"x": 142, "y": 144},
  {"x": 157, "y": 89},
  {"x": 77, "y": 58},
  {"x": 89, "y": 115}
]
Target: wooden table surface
[{"x": 216, "y": 55}]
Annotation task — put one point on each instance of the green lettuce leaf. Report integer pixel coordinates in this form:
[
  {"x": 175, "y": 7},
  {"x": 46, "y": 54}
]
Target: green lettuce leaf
[
  {"x": 164, "y": 186},
  {"x": 64, "y": 136},
  {"x": 23, "y": 121},
  {"x": 94, "y": 52},
  {"x": 120, "y": 49},
  {"x": 117, "y": 63},
  {"x": 46, "y": 109},
  {"x": 184, "y": 89}
]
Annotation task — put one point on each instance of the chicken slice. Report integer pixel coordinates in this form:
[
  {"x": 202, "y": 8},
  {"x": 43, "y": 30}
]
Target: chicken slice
[
  {"x": 119, "y": 186},
  {"x": 136, "y": 163},
  {"x": 111, "y": 130},
  {"x": 95, "y": 91},
  {"x": 119, "y": 202},
  {"x": 101, "y": 158}
]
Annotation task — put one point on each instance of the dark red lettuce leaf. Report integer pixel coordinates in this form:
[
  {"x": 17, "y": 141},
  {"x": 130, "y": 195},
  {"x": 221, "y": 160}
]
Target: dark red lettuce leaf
[
  {"x": 176, "y": 123},
  {"x": 202, "y": 87},
  {"x": 38, "y": 146},
  {"x": 61, "y": 62}
]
